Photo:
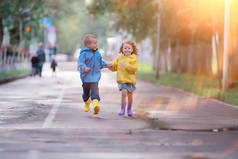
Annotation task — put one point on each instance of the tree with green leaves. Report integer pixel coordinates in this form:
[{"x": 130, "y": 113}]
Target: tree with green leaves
[
  {"x": 75, "y": 23},
  {"x": 17, "y": 14}
]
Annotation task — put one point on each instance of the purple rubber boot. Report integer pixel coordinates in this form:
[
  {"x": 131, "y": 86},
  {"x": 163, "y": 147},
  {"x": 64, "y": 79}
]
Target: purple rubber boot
[
  {"x": 123, "y": 107},
  {"x": 129, "y": 111}
]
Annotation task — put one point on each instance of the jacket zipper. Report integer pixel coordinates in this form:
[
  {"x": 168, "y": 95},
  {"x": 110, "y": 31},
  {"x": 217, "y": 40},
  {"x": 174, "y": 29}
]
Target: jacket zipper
[{"x": 93, "y": 62}]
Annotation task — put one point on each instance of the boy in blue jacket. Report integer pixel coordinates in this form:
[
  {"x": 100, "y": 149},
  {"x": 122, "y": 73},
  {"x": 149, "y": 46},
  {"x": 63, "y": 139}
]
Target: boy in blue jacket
[{"x": 90, "y": 64}]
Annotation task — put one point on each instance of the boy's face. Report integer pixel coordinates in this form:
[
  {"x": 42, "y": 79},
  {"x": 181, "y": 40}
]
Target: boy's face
[{"x": 93, "y": 44}]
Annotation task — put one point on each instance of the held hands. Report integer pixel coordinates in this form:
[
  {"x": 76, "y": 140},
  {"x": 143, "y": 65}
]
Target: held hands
[
  {"x": 87, "y": 69},
  {"x": 110, "y": 65},
  {"x": 122, "y": 65}
]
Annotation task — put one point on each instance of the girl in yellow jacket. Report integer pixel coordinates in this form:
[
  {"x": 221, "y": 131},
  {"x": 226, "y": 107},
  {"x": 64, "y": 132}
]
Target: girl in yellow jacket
[{"x": 126, "y": 66}]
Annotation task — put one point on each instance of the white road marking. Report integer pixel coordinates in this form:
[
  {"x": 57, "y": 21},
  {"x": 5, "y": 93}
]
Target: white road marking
[{"x": 51, "y": 115}]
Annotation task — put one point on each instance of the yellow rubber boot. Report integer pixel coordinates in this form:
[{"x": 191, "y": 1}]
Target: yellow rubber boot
[
  {"x": 96, "y": 107},
  {"x": 86, "y": 105}
]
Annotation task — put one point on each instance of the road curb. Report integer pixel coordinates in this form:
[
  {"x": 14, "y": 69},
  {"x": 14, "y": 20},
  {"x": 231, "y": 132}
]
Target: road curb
[{"x": 11, "y": 79}]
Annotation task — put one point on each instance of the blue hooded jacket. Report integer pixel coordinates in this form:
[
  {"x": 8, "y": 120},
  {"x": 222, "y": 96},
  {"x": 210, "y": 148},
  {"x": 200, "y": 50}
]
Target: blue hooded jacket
[{"x": 89, "y": 58}]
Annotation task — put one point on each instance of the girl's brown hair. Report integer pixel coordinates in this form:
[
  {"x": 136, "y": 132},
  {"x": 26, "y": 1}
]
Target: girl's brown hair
[{"x": 130, "y": 43}]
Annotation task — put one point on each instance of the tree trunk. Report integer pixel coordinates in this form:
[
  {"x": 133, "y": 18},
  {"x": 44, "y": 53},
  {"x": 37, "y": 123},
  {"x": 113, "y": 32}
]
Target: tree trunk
[
  {"x": 14, "y": 36},
  {"x": 1, "y": 32},
  {"x": 208, "y": 60},
  {"x": 175, "y": 56},
  {"x": 219, "y": 57},
  {"x": 234, "y": 61},
  {"x": 191, "y": 58},
  {"x": 157, "y": 48}
]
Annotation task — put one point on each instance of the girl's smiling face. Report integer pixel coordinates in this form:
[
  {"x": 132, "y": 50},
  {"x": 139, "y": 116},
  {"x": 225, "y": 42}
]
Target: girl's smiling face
[{"x": 127, "y": 49}]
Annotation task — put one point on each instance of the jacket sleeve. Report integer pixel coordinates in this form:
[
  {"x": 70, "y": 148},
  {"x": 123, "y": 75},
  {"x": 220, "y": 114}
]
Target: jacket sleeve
[
  {"x": 81, "y": 62},
  {"x": 103, "y": 64},
  {"x": 114, "y": 65},
  {"x": 132, "y": 66}
]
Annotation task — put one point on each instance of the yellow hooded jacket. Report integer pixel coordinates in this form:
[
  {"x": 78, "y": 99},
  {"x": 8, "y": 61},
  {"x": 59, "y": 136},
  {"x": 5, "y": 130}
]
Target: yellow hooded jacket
[{"x": 125, "y": 74}]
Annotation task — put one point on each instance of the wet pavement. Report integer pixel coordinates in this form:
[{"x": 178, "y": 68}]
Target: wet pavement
[{"x": 44, "y": 118}]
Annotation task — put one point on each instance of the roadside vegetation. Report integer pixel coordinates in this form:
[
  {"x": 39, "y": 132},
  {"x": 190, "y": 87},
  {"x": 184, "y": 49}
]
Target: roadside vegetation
[
  {"x": 200, "y": 85},
  {"x": 10, "y": 74}
]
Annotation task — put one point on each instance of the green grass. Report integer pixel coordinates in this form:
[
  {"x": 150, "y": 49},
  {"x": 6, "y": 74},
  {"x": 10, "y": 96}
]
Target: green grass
[
  {"x": 231, "y": 96},
  {"x": 200, "y": 85},
  {"x": 4, "y": 75}
]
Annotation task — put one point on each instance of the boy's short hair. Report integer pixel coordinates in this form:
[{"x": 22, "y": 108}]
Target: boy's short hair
[{"x": 87, "y": 38}]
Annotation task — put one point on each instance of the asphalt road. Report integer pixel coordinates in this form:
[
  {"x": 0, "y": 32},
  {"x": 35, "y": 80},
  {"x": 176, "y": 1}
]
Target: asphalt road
[{"x": 43, "y": 118}]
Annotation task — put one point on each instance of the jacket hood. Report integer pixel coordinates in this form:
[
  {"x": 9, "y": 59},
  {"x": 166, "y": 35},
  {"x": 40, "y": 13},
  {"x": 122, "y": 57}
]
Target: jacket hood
[
  {"x": 85, "y": 49},
  {"x": 130, "y": 56}
]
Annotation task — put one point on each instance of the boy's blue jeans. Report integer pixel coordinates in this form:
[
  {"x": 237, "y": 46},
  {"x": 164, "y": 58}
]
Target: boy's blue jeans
[{"x": 90, "y": 89}]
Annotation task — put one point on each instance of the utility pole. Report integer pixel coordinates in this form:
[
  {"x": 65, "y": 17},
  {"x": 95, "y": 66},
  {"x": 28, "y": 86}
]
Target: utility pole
[
  {"x": 157, "y": 47},
  {"x": 226, "y": 46}
]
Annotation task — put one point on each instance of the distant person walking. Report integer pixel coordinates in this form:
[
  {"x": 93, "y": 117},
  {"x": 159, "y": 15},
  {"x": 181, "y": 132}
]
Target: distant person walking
[
  {"x": 90, "y": 64},
  {"x": 34, "y": 65},
  {"x": 52, "y": 49},
  {"x": 53, "y": 65},
  {"x": 126, "y": 66},
  {"x": 41, "y": 58}
]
